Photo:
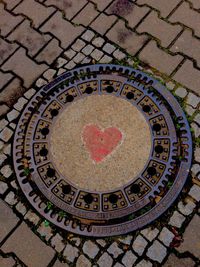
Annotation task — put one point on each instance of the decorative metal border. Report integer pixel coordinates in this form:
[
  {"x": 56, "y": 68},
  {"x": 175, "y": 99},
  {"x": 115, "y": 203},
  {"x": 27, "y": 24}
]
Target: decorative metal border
[{"x": 22, "y": 149}]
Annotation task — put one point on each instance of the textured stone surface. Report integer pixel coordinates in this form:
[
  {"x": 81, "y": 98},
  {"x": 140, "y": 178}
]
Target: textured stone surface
[
  {"x": 175, "y": 261},
  {"x": 90, "y": 249},
  {"x": 8, "y": 220},
  {"x": 191, "y": 238},
  {"x": 70, "y": 252},
  {"x": 186, "y": 208},
  {"x": 86, "y": 15},
  {"x": 38, "y": 255},
  {"x": 105, "y": 260},
  {"x": 7, "y": 262},
  {"x": 181, "y": 92},
  {"x": 139, "y": 245},
  {"x": 83, "y": 261},
  {"x": 144, "y": 263},
  {"x": 103, "y": 23},
  {"x": 166, "y": 236},
  {"x": 45, "y": 231},
  {"x": 195, "y": 192},
  {"x": 57, "y": 243},
  {"x": 114, "y": 250},
  {"x": 129, "y": 258},
  {"x": 149, "y": 233},
  {"x": 157, "y": 252},
  {"x": 177, "y": 219}
]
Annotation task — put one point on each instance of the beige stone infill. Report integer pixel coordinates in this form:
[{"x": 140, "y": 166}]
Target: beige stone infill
[{"x": 72, "y": 156}]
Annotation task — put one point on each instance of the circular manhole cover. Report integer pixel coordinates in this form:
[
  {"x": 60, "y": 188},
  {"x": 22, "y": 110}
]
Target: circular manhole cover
[{"x": 102, "y": 150}]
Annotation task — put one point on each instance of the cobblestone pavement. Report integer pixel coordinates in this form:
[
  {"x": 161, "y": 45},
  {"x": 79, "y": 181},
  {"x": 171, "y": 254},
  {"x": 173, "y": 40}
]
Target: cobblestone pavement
[{"x": 42, "y": 39}]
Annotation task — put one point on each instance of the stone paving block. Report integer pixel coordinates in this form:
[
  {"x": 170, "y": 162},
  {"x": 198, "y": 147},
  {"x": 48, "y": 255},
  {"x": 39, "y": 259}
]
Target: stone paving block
[
  {"x": 7, "y": 262},
  {"x": 98, "y": 42},
  {"x": 8, "y": 21},
  {"x": 174, "y": 261},
  {"x": 69, "y": 54},
  {"x": 11, "y": 198},
  {"x": 96, "y": 54},
  {"x": 166, "y": 236},
  {"x": 101, "y": 5},
  {"x": 83, "y": 261},
  {"x": 144, "y": 263},
  {"x": 87, "y": 50},
  {"x": 187, "y": 16},
  {"x": 157, "y": 252},
  {"x": 32, "y": 217},
  {"x": 6, "y": 171},
  {"x": 70, "y": 8},
  {"x": 139, "y": 245},
  {"x": 29, "y": 37},
  {"x": 189, "y": 76},
  {"x": 105, "y": 59},
  {"x": 164, "y": 7},
  {"x": 197, "y": 153},
  {"x": 86, "y": 16},
  {"x": 57, "y": 243},
  {"x": 129, "y": 258},
  {"x": 70, "y": 252},
  {"x": 38, "y": 254},
  {"x": 50, "y": 52},
  {"x": 159, "y": 28},
  {"x": 184, "y": 43},
  {"x": 177, "y": 219},
  {"x": 90, "y": 249},
  {"x": 105, "y": 260},
  {"x": 88, "y": 35},
  {"x": 197, "y": 118},
  {"x": 191, "y": 238},
  {"x": 12, "y": 115},
  {"x": 4, "y": 78},
  {"x": 195, "y": 4},
  {"x": 3, "y": 187},
  {"x": 6, "y": 134},
  {"x": 186, "y": 208},
  {"x": 6, "y": 49},
  {"x": 78, "y": 45},
  {"x": 102, "y": 23},
  {"x": 152, "y": 55},
  {"x": 129, "y": 11},
  {"x": 195, "y": 192},
  {"x": 23, "y": 66},
  {"x": 125, "y": 38},
  {"x": 21, "y": 102},
  {"x": 193, "y": 100},
  {"x": 60, "y": 28},
  {"x": 3, "y": 123},
  {"x": 181, "y": 92},
  {"x": 8, "y": 220},
  {"x": 45, "y": 231},
  {"x": 126, "y": 239},
  {"x": 59, "y": 264},
  {"x": 114, "y": 250},
  {"x": 149, "y": 233},
  {"x": 10, "y": 4},
  {"x": 35, "y": 11}
]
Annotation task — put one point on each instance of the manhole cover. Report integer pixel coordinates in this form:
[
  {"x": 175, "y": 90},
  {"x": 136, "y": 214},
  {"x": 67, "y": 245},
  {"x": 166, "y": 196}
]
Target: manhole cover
[{"x": 102, "y": 150}]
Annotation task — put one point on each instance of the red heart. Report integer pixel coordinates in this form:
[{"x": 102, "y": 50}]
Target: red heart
[{"x": 100, "y": 143}]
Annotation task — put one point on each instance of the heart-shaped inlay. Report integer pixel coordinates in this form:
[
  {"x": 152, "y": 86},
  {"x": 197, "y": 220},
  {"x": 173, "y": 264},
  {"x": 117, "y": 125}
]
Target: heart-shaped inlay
[{"x": 100, "y": 143}]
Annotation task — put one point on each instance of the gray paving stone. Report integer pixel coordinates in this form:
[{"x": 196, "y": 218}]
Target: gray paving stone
[
  {"x": 181, "y": 92},
  {"x": 139, "y": 245},
  {"x": 98, "y": 42},
  {"x": 144, "y": 263},
  {"x": 170, "y": 85},
  {"x": 6, "y": 134},
  {"x": 114, "y": 250},
  {"x": 195, "y": 169},
  {"x": 105, "y": 59},
  {"x": 59, "y": 264},
  {"x": 11, "y": 198},
  {"x": 2, "y": 158},
  {"x": 193, "y": 100},
  {"x": 49, "y": 74},
  {"x": 7, "y": 262},
  {"x": 90, "y": 249},
  {"x": 21, "y": 102},
  {"x": 78, "y": 58},
  {"x": 57, "y": 243},
  {"x": 83, "y": 262},
  {"x": 69, "y": 53},
  {"x": 32, "y": 217},
  {"x": 70, "y": 252},
  {"x": 61, "y": 71},
  {"x": 195, "y": 192},
  {"x": 76, "y": 241},
  {"x": 196, "y": 129},
  {"x": 190, "y": 110},
  {"x": 21, "y": 208},
  {"x": 197, "y": 154},
  {"x": 197, "y": 118},
  {"x": 191, "y": 238},
  {"x": 149, "y": 233},
  {"x": 97, "y": 54},
  {"x": 70, "y": 65},
  {"x": 45, "y": 231},
  {"x": 3, "y": 123},
  {"x": 105, "y": 260},
  {"x": 118, "y": 265},
  {"x": 32, "y": 251},
  {"x": 174, "y": 261},
  {"x": 166, "y": 236},
  {"x": 186, "y": 209},
  {"x": 157, "y": 252},
  {"x": 101, "y": 242},
  {"x": 61, "y": 62},
  {"x": 119, "y": 54},
  {"x": 78, "y": 45},
  {"x": 3, "y": 187},
  {"x": 13, "y": 114},
  {"x": 8, "y": 220},
  {"x": 6, "y": 171},
  {"x": 40, "y": 82},
  {"x": 87, "y": 50},
  {"x": 88, "y": 35},
  {"x": 177, "y": 219},
  {"x": 30, "y": 93},
  {"x": 129, "y": 259},
  {"x": 126, "y": 240},
  {"x": 109, "y": 48}
]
